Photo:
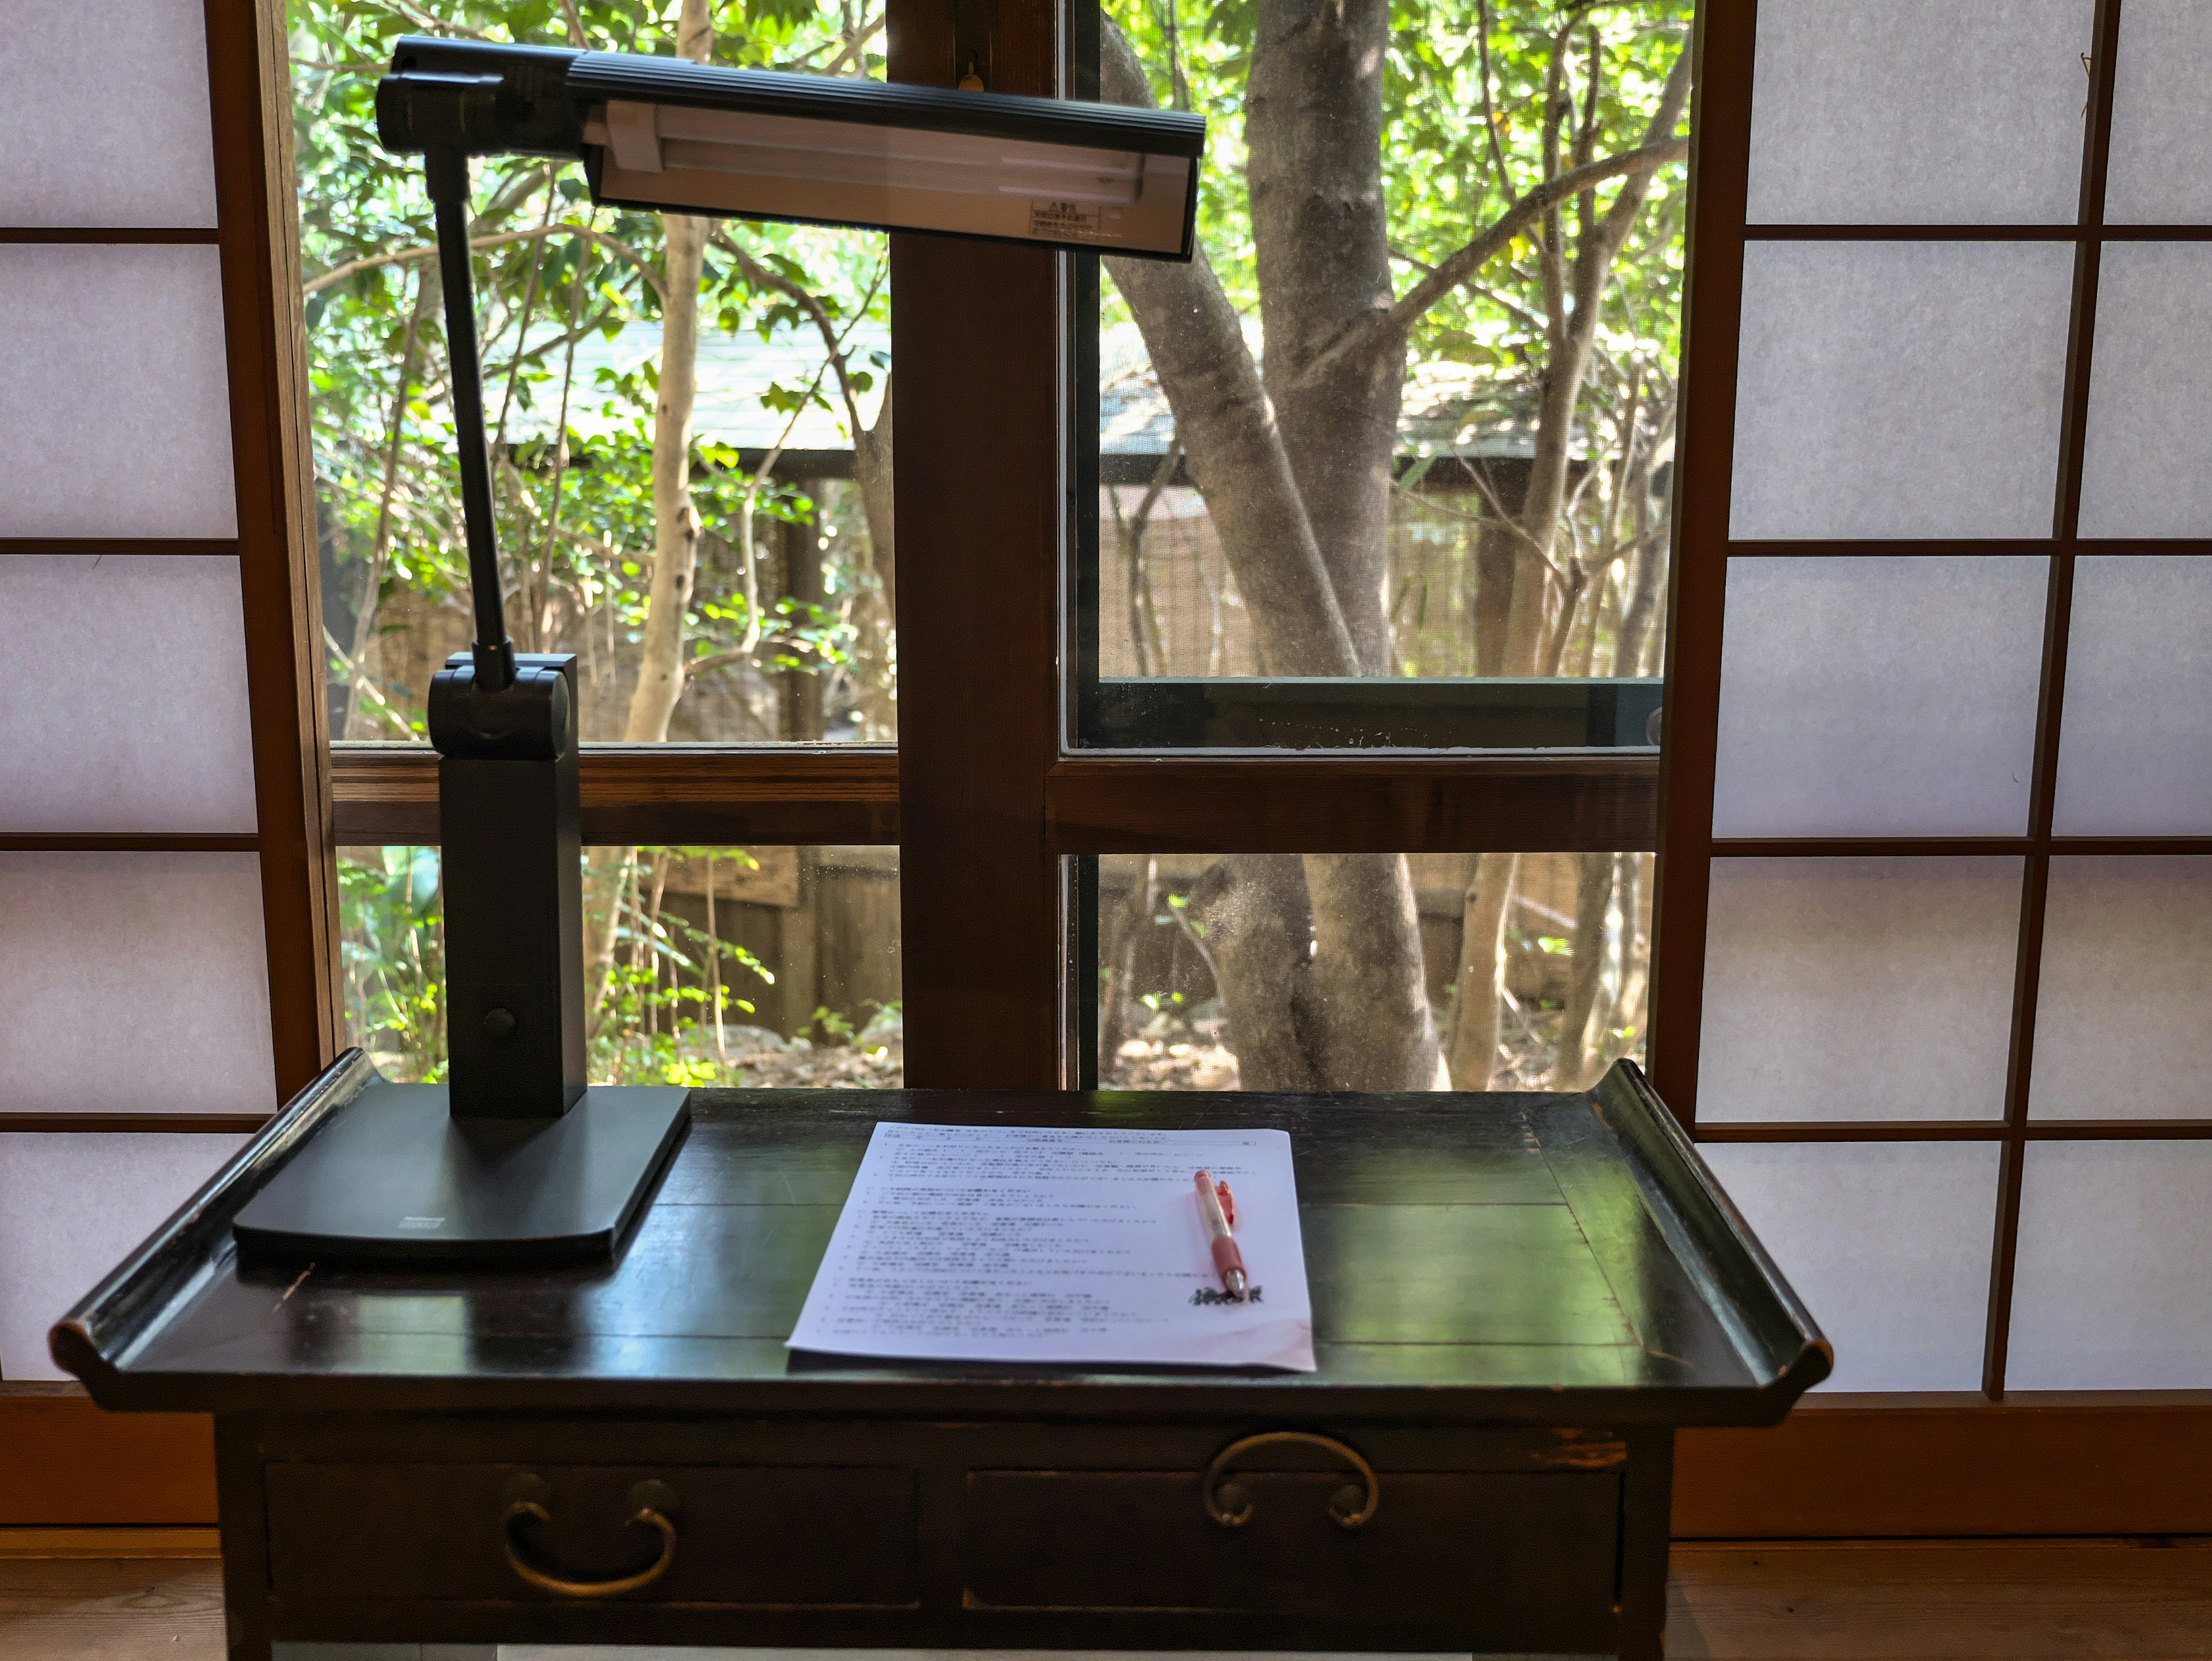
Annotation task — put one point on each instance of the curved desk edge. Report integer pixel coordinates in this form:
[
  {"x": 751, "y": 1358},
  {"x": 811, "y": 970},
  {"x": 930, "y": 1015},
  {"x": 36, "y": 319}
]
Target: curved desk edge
[
  {"x": 1777, "y": 1336},
  {"x": 94, "y": 1339}
]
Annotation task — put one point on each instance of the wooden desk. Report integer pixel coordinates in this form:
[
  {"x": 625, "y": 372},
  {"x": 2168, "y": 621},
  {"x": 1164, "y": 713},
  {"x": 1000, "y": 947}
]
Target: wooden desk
[{"x": 1516, "y": 1298}]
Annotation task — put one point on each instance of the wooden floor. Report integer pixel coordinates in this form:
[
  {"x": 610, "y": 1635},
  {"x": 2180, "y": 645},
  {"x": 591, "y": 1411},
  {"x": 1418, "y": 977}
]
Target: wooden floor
[{"x": 1828, "y": 1601}]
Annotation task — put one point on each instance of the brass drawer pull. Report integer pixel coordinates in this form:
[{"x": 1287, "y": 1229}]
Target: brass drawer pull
[
  {"x": 653, "y": 1503},
  {"x": 1230, "y": 1504}
]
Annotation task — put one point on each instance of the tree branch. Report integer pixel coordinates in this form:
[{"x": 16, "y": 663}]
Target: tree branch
[
  {"x": 833, "y": 341},
  {"x": 478, "y": 243},
  {"x": 1397, "y": 323}
]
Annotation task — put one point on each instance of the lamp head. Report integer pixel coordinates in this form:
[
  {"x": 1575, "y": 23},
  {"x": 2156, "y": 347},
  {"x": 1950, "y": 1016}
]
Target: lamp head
[{"x": 667, "y": 134}]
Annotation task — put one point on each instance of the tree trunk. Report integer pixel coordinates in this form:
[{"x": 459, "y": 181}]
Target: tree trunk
[
  {"x": 1313, "y": 126},
  {"x": 801, "y": 690},
  {"x": 1594, "y": 885},
  {"x": 871, "y": 467},
  {"x": 1481, "y": 976},
  {"x": 1373, "y": 1028},
  {"x": 1349, "y": 1007},
  {"x": 1259, "y": 933},
  {"x": 1116, "y": 994},
  {"x": 675, "y": 520},
  {"x": 1496, "y": 557}
]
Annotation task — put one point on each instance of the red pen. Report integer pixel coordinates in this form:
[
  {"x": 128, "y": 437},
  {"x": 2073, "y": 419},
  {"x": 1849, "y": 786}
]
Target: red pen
[{"x": 1227, "y": 1260}]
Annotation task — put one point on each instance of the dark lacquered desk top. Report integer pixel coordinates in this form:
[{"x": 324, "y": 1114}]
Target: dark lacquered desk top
[{"x": 1539, "y": 1259}]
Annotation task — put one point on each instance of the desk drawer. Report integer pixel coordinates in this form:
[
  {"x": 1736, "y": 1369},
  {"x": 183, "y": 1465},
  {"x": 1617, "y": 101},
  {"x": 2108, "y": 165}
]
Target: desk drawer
[
  {"x": 1498, "y": 1554},
  {"x": 797, "y": 1535}
]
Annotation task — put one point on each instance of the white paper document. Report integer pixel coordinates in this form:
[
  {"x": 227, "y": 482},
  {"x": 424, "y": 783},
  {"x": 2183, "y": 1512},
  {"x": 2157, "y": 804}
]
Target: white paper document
[{"x": 964, "y": 1244}]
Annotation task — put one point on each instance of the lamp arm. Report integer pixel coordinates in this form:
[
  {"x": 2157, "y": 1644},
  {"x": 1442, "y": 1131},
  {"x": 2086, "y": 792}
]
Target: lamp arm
[{"x": 447, "y": 171}]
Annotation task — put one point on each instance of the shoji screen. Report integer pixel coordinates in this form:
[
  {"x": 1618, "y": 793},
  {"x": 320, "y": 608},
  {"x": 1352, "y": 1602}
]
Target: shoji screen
[
  {"x": 163, "y": 880},
  {"x": 1936, "y": 904}
]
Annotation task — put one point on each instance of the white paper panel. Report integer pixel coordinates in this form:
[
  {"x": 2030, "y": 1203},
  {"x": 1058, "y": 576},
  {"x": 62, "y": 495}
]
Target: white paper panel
[
  {"x": 1899, "y": 389},
  {"x": 1879, "y": 695},
  {"x": 2149, "y": 448},
  {"x": 115, "y": 399},
  {"x": 2134, "y": 748},
  {"x": 1859, "y": 989},
  {"x": 164, "y": 747},
  {"x": 70, "y": 1208},
  {"x": 2160, "y": 168},
  {"x": 133, "y": 982},
  {"x": 104, "y": 115},
  {"x": 2124, "y": 1008},
  {"x": 2112, "y": 1288},
  {"x": 1918, "y": 112},
  {"x": 1888, "y": 1244}
]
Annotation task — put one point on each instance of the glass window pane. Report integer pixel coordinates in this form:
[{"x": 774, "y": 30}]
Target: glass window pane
[
  {"x": 2161, "y": 170},
  {"x": 1859, "y": 989},
  {"x": 2120, "y": 1029},
  {"x": 1899, "y": 389},
  {"x": 1918, "y": 112},
  {"x": 1406, "y": 543},
  {"x": 1888, "y": 1243},
  {"x": 79, "y": 154},
  {"x": 755, "y": 606},
  {"x": 2135, "y": 753},
  {"x": 2113, "y": 1286},
  {"x": 164, "y": 747},
  {"x": 57, "y": 1246},
  {"x": 133, "y": 983},
  {"x": 1879, "y": 696},
  {"x": 1202, "y": 960},
  {"x": 2148, "y": 449},
  {"x": 807, "y": 975},
  {"x": 103, "y": 341}
]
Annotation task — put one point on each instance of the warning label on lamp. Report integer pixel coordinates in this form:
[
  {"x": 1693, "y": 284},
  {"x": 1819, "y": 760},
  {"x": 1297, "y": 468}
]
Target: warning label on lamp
[{"x": 1066, "y": 220}]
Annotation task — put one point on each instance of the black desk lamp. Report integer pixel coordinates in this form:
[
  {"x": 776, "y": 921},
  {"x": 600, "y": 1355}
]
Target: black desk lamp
[{"x": 517, "y": 1159}]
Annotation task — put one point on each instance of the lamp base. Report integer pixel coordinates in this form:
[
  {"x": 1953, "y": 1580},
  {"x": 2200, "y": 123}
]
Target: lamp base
[{"x": 391, "y": 1177}]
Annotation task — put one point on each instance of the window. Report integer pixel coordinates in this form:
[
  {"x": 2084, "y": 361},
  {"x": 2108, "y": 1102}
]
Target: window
[
  {"x": 1390, "y": 469},
  {"x": 691, "y": 438}
]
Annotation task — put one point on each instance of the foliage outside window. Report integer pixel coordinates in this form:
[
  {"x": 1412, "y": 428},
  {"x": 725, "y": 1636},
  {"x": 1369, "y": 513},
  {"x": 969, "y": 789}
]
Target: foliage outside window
[
  {"x": 641, "y": 525},
  {"x": 772, "y": 966}
]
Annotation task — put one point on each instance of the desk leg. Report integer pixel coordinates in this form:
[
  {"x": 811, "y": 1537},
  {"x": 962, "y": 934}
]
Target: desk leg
[
  {"x": 1647, "y": 1506},
  {"x": 244, "y": 1539}
]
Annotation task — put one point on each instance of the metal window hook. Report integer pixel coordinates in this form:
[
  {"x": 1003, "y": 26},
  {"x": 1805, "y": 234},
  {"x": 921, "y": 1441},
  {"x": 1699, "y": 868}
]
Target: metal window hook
[{"x": 974, "y": 24}]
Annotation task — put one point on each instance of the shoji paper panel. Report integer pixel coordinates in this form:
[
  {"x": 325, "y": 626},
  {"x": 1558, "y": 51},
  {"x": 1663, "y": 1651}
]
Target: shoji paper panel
[
  {"x": 123, "y": 695},
  {"x": 2124, "y": 1012},
  {"x": 1918, "y": 112},
  {"x": 1879, "y": 695},
  {"x": 2114, "y": 1287},
  {"x": 2135, "y": 751},
  {"x": 1888, "y": 1244},
  {"x": 70, "y": 1207},
  {"x": 114, "y": 398},
  {"x": 104, "y": 115},
  {"x": 133, "y": 982},
  {"x": 2161, "y": 170},
  {"x": 2149, "y": 447},
  {"x": 1859, "y": 989},
  {"x": 1899, "y": 389}
]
